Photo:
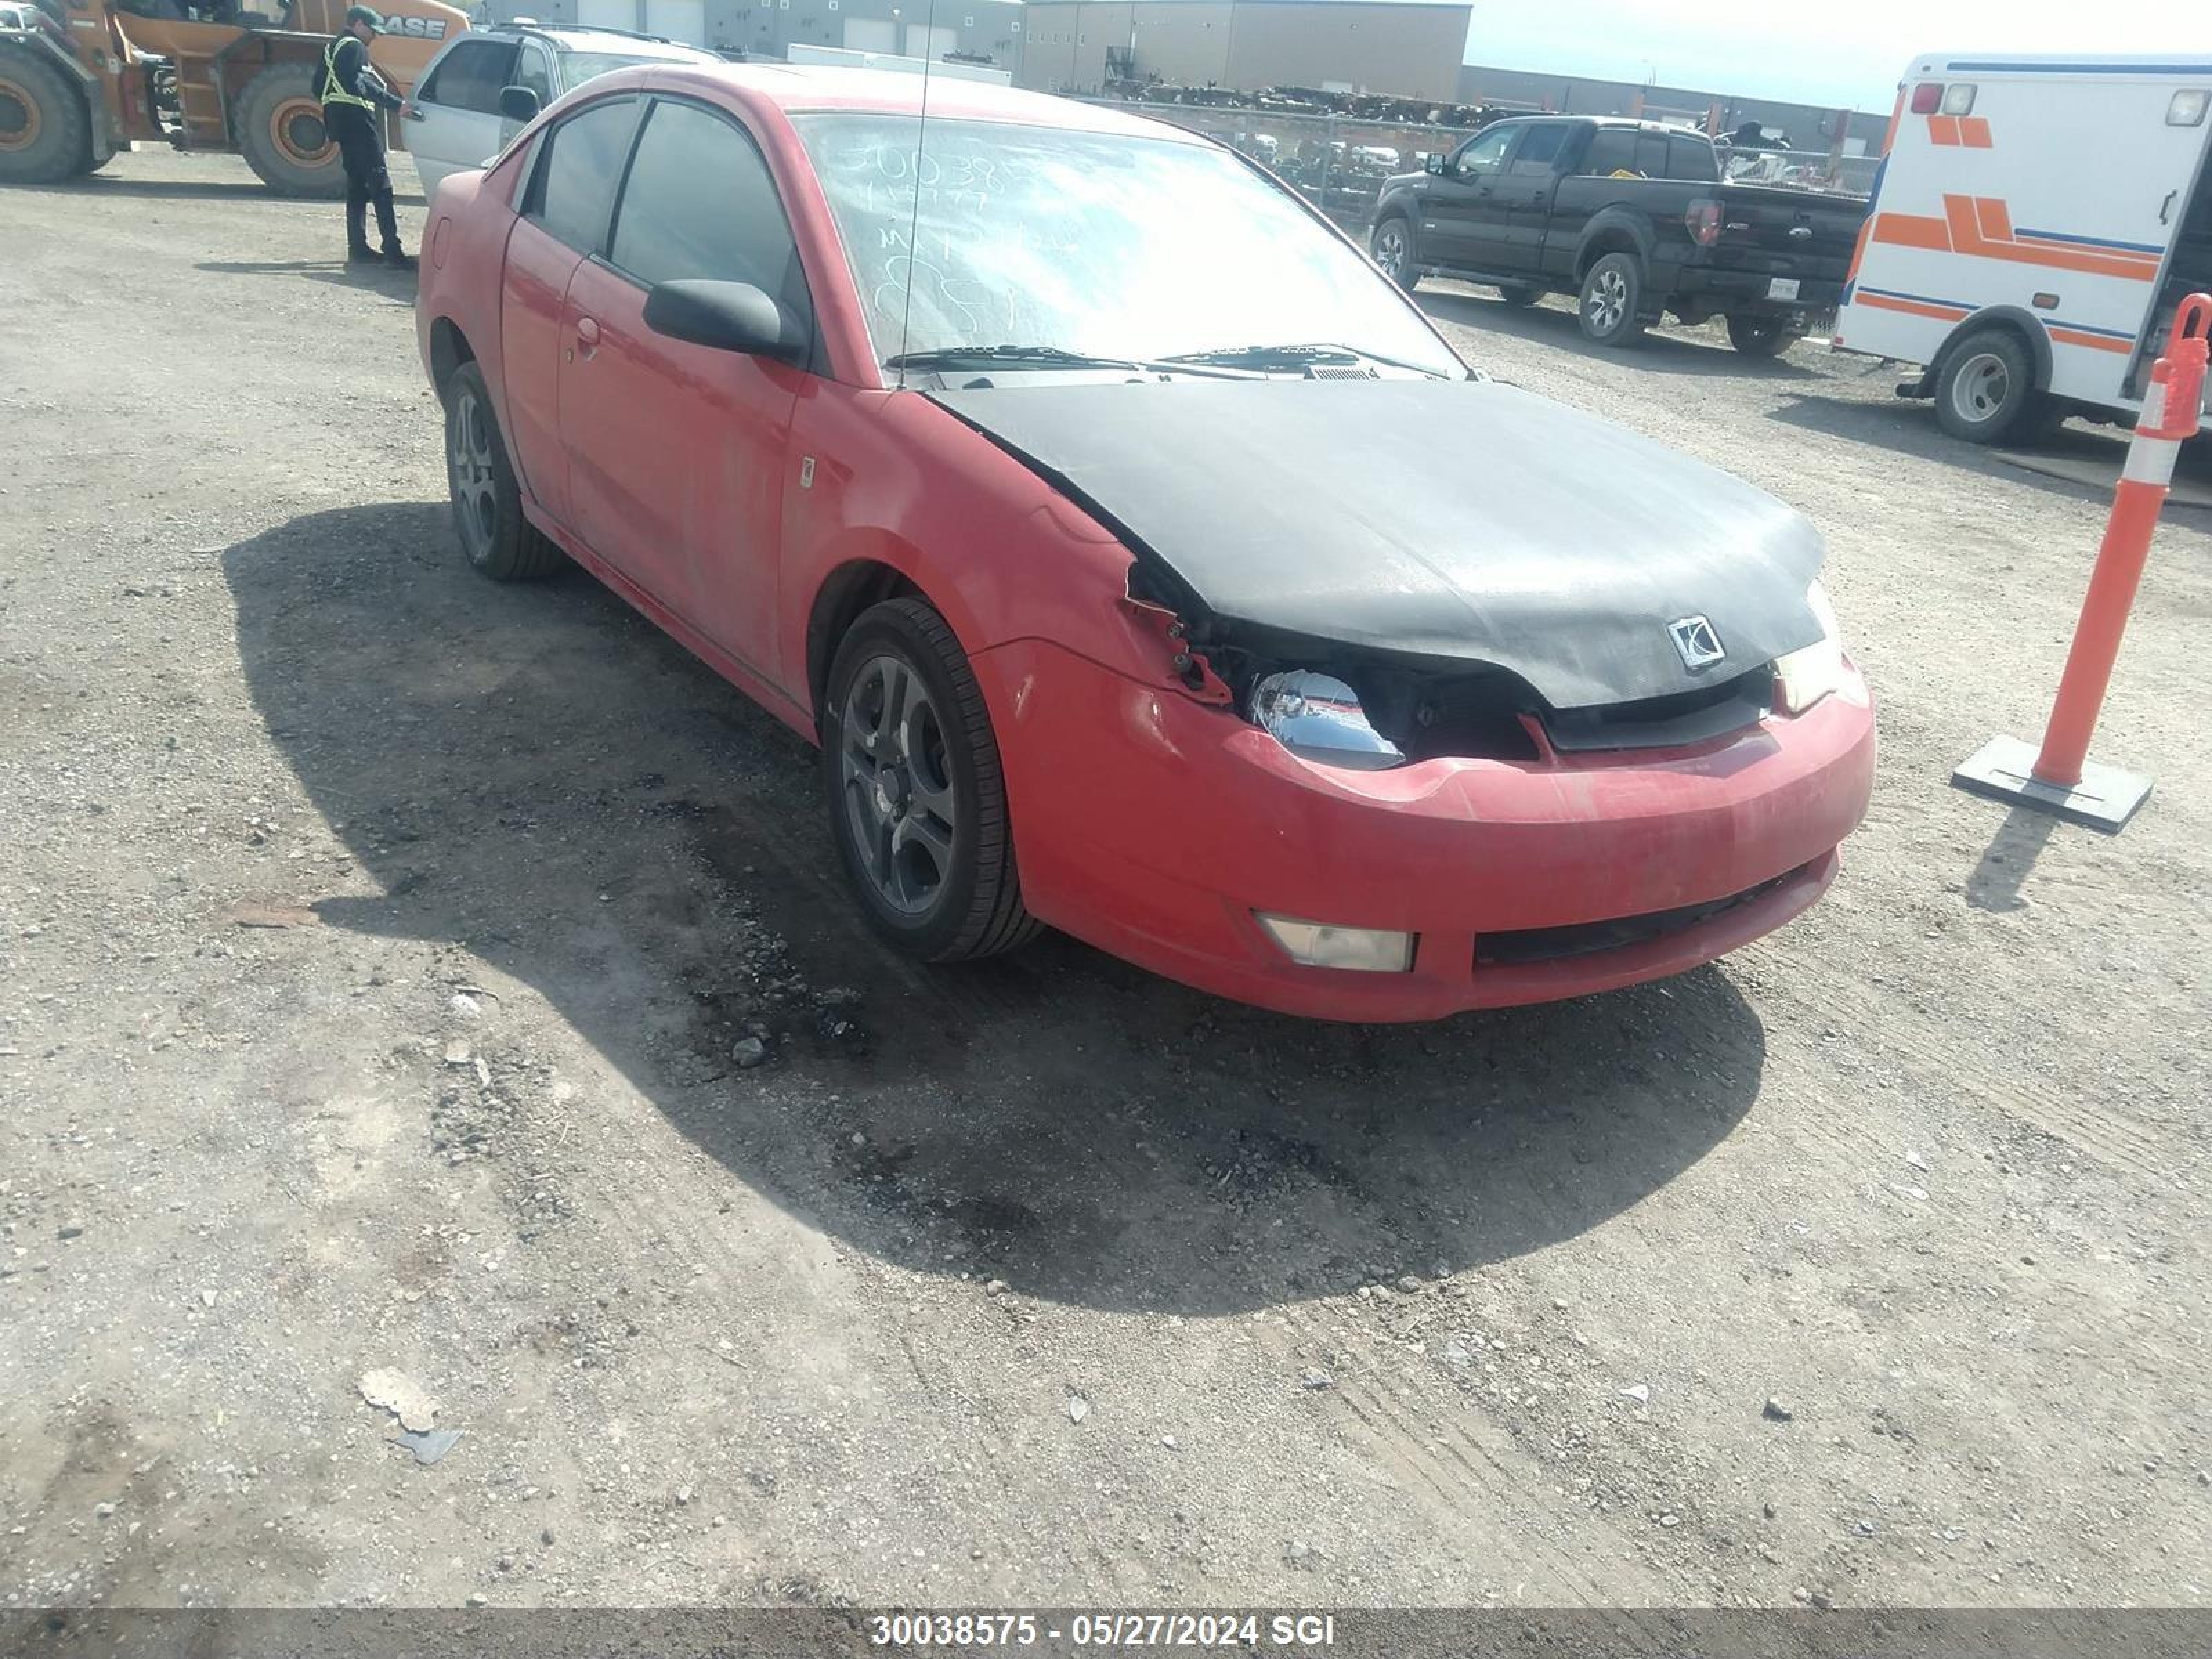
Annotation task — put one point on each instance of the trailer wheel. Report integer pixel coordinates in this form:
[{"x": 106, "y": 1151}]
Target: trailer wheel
[
  {"x": 1986, "y": 392},
  {"x": 45, "y": 131},
  {"x": 281, "y": 134},
  {"x": 1761, "y": 336}
]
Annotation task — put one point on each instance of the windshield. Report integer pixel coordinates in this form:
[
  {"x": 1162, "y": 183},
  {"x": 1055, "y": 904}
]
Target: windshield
[
  {"x": 1108, "y": 246},
  {"x": 582, "y": 66}
]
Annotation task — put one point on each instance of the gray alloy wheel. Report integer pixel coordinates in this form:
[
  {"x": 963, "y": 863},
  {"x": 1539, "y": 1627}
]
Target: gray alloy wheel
[
  {"x": 488, "y": 517},
  {"x": 475, "y": 486},
  {"x": 1604, "y": 304},
  {"x": 899, "y": 801},
  {"x": 1393, "y": 247}
]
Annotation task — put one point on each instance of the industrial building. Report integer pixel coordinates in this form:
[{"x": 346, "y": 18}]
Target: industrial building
[
  {"x": 1410, "y": 48},
  {"x": 989, "y": 29},
  {"x": 1809, "y": 127}
]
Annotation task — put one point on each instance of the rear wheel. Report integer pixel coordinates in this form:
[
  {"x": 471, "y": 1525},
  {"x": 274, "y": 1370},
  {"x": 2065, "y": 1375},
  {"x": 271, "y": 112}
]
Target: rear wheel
[
  {"x": 1392, "y": 245},
  {"x": 1611, "y": 311},
  {"x": 1761, "y": 336},
  {"x": 917, "y": 798},
  {"x": 486, "y": 498},
  {"x": 282, "y": 136},
  {"x": 1986, "y": 392},
  {"x": 45, "y": 130}
]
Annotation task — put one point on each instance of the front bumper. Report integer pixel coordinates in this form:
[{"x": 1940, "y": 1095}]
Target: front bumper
[{"x": 1153, "y": 827}]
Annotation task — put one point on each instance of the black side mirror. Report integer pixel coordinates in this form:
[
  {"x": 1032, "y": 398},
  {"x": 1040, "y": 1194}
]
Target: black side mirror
[
  {"x": 727, "y": 316},
  {"x": 518, "y": 105},
  {"x": 1437, "y": 162}
]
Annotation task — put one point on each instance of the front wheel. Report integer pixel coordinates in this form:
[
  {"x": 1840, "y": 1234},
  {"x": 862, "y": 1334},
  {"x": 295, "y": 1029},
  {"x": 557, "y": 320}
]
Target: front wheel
[
  {"x": 1611, "y": 311},
  {"x": 1760, "y": 337},
  {"x": 1392, "y": 245},
  {"x": 917, "y": 797},
  {"x": 1986, "y": 392}
]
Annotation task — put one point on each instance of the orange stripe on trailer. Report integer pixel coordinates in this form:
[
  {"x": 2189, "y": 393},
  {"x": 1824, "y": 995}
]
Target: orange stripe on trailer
[
  {"x": 2095, "y": 342},
  {"x": 1896, "y": 117},
  {"x": 1992, "y": 219},
  {"x": 2149, "y": 262},
  {"x": 1974, "y": 132},
  {"x": 1858, "y": 251},
  {"x": 1912, "y": 307},
  {"x": 1962, "y": 216},
  {"x": 1912, "y": 230},
  {"x": 1943, "y": 130}
]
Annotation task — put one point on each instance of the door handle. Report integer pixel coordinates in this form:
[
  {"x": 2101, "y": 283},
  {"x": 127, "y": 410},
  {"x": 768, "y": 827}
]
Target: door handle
[
  {"x": 410, "y": 113},
  {"x": 2165, "y": 208},
  {"x": 587, "y": 336}
]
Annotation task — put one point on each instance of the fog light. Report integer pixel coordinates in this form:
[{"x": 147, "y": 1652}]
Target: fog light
[{"x": 1317, "y": 944}]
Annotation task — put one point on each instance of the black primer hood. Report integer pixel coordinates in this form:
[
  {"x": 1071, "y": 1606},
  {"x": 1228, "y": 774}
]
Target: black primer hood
[{"x": 1460, "y": 520}]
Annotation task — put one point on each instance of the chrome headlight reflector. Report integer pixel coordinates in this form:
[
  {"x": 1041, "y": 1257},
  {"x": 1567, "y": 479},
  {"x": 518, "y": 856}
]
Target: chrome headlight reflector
[
  {"x": 1317, "y": 717},
  {"x": 1803, "y": 677}
]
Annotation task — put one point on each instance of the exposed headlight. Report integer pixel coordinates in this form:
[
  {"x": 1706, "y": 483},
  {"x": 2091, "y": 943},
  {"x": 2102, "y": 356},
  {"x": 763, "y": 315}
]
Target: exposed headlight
[
  {"x": 1318, "y": 945},
  {"x": 1317, "y": 717},
  {"x": 1804, "y": 677}
]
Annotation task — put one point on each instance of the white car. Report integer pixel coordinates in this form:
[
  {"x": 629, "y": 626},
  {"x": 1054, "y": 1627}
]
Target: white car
[{"x": 461, "y": 112}]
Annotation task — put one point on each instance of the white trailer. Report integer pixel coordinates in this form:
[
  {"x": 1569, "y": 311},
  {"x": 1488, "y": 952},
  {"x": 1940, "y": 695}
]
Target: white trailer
[{"x": 2035, "y": 221}]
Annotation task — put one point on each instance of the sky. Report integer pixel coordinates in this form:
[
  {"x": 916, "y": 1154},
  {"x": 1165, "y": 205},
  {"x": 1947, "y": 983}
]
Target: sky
[{"x": 1838, "y": 53}]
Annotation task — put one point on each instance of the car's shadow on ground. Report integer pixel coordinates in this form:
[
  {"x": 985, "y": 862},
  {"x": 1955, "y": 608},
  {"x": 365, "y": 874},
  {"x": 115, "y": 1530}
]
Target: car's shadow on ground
[
  {"x": 1659, "y": 351},
  {"x": 536, "y": 771},
  {"x": 204, "y": 190}
]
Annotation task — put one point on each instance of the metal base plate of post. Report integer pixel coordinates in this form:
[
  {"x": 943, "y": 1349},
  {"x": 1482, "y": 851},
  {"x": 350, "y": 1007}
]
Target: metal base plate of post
[{"x": 2106, "y": 798}]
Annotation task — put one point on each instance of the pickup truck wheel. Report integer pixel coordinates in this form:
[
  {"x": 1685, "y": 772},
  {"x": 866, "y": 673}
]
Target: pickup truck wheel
[
  {"x": 1515, "y": 295},
  {"x": 1986, "y": 392},
  {"x": 1761, "y": 336},
  {"x": 1611, "y": 311},
  {"x": 1392, "y": 245}
]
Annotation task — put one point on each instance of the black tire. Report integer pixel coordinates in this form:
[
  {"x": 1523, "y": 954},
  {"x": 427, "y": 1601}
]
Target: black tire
[
  {"x": 1516, "y": 295},
  {"x": 974, "y": 908},
  {"x": 1761, "y": 336},
  {"x": 285, "y": 144},
  {"x": 1611, "y": 309},
  {"x": 1985, "y": 392},
  {"x": 497, "y": 540},
  {"x": 1391, "y": 244},
  {"x": 46, "y": 129}
]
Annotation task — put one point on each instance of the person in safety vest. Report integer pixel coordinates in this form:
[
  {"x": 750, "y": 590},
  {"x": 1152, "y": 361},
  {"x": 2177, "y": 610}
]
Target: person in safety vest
[{"x": 354, "y": 98}]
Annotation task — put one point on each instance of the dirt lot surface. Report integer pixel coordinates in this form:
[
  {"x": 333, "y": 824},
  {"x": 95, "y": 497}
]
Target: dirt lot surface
[{"x": 376, "y": 941}]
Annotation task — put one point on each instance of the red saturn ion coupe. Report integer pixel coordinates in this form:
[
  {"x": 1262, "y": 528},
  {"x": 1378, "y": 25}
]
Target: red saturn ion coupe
[{"x": 1143, "y": 562}]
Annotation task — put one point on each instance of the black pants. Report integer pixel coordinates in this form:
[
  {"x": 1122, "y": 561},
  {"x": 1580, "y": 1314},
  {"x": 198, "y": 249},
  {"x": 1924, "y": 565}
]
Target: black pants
[{"x": 360, "y": 138}]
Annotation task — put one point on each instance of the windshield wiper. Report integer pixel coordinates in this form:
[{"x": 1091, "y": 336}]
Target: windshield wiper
[
  {"x": 1294, "y": 356},
  {"x": 1044, "y": 356}
]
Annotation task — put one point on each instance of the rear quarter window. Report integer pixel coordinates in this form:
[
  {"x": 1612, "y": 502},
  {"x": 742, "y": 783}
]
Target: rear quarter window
[
  {"x": 1692, "y": 159},
  {"x": 469, "y": 76}
]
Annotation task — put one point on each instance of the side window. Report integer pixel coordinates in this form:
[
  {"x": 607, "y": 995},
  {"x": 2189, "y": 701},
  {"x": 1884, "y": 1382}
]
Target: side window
[
  {"x": 578, "y": 166},
  {"x": 1692, "y": 159},
  {"x": 1612, "y": 150},
  {"x": 700, "y": 203},
  {"x": 1483, "y": 154},
  {"x": 1652, "y": 154},
  {"x": 1538, "y": 151},
  {"x": 535, "y": 71},
  {"x": 470, "y": 76}
]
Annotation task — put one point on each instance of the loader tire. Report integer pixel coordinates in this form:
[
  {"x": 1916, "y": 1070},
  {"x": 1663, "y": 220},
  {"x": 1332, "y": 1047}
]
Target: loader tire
[
  {"x": 281, "y": 134},
  {"x": 45, "y": 131}
]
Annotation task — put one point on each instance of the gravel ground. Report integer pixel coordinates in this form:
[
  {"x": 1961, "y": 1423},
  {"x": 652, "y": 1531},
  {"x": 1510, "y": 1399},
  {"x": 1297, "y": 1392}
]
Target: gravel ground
[{"x": 377, "y": 948}]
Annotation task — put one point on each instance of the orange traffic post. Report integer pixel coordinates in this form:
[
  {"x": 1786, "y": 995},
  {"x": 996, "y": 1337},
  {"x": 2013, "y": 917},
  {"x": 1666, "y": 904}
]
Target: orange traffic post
[{"x": 2060, "y": 777}]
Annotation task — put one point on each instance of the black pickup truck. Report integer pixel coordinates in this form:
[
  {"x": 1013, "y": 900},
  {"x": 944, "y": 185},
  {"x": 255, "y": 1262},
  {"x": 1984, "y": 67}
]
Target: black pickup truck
[{"x": 1633, "y": 216}]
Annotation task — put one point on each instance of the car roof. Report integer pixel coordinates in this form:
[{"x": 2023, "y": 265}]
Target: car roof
[
  {"x": 566, "y": 38},
  {"x": 1628, "y": 121},
  {"x": 808, "y": 88}
]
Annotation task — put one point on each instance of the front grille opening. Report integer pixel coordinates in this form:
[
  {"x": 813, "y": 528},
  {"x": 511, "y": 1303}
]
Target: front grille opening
[
  {"x": 1518, "y": 947},
  {"x": 1676, "y": 720}
]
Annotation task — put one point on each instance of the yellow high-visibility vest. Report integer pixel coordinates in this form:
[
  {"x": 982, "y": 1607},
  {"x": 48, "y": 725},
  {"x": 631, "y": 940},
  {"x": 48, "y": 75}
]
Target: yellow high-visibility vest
[{"x": 333, "y": 93}]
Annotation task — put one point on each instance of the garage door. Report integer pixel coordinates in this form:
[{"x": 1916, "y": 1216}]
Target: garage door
[
  {"x": 678, "y": 19},
  {"x": 922, "y": 41},
  {"x": 871, "y": 34},
  {"x": 606, "y": 14}
]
